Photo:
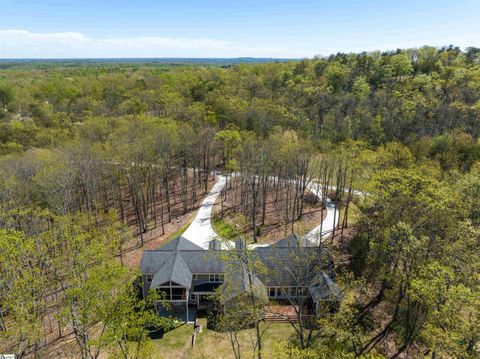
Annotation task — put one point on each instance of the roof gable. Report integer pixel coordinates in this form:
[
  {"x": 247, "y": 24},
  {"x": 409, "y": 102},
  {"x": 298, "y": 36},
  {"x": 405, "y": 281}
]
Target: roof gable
[
  {"x": 324, "y": 289},
  {"x": 173, "y": 270},
  {"x": 180, "y": 244}
]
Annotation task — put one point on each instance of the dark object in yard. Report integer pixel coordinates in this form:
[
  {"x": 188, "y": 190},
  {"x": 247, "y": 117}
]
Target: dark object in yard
[{"x": 156, "y": 333}]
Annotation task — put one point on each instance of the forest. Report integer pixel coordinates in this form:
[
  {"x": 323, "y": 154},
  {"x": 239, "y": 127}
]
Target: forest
[{"x": 101, "y": 161}]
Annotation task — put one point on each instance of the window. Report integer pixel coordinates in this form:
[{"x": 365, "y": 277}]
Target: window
[
  {"x": 293, "y": 291},
  {"x": 288, "y": 292},
  {"x": 193, "y": 296},
  {"x": 172, "y": 294},
  {"x": 271, "y": 292},
  {"x": 217, "y": 278},
  {"x": 148, "y": 278},
  {"x": 179, "y": 294},
  {"x": 195, "y": 277}
]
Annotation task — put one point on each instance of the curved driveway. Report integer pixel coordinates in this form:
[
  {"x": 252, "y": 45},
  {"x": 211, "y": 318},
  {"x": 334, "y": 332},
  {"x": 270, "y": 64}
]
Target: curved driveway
[{"x": 200, "y": 231}]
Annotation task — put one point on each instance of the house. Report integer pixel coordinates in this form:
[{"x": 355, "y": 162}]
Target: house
[{"x": 188, "y": 275}]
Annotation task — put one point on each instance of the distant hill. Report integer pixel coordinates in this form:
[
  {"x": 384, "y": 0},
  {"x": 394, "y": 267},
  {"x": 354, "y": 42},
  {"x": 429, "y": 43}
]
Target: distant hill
[{"x": 168, "y": 61}]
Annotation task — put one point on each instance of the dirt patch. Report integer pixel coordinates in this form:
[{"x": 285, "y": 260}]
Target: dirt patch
[
  {"x": 156, "y": 236},
  {"x": 274, "y": 224}
]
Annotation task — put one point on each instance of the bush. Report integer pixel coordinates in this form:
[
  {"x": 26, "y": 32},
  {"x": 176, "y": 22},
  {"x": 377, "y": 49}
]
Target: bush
[{"x": 359, "y": 248}]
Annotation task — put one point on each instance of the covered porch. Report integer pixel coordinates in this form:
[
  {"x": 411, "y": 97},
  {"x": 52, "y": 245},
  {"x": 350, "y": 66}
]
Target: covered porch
[{"x": 182, "y": 312}]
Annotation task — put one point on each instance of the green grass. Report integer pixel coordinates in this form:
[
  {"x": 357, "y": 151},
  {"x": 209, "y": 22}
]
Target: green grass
[
  {"x": 177, "y": 338},
  {"x": 223, "y": 229},
  {"x": 176, "y": 344},
  {"x": 178, "y": 232},
  {"x": 354, "y": 214}
]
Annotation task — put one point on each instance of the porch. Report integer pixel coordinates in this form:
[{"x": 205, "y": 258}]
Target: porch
[{"x": 182, "y": 312}]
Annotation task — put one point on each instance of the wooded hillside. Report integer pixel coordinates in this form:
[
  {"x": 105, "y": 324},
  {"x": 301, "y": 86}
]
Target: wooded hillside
[{"x": 95, "y": 157}]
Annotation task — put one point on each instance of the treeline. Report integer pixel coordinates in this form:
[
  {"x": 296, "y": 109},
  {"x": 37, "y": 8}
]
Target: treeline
[
  {"x": 281, "y": 170},
  {"x": 405, "y": 95},
  {"x": 148, "y": 171},
  {"x": 416, "y": 257},
  {"x": 62, "y": 284}
]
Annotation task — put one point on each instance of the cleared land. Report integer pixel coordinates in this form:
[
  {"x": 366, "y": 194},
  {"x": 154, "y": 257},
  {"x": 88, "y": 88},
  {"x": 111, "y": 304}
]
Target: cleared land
[{"x": 226, "y": 215}]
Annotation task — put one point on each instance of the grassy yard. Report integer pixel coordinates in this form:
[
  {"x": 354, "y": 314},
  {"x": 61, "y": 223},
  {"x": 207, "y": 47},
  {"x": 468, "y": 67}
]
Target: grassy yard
[
  {"x": 224, "y": 229},
  {"x": 354, "y": 214},
  {"x": 176, "y": 344}
]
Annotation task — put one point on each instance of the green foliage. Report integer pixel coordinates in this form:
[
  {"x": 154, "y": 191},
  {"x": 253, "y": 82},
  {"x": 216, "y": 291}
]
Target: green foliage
[
  {"x": 468, "y": 189},
  {"x": 6, "y": 98},
  {"x": 450, "y": 290},
  {"x": 414, "y": 241},
  {"x": 231, "y": 141},
  {"x": 393, "y": 155},
  {"x": 22, "y": 289},
  {"x": 455, "y": 151},
  {"x": 359, "y": 250},
  {"x": 224, "y": 230},
  {"x": 79, "y": 140},
  {"x": 98, "y": 298},
  {"x": 336, "y": 75},
  {"x": 376, "y": 97},
  {"x": 130, "y": 322},
  {"x": 283, "y": 350},
  {"x": 360, "y": 88},
  {"x": 401, "y": 65}
]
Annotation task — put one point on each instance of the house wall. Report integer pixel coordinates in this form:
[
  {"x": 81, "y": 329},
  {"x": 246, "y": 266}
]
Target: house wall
[
  {"x": 173, "y": 289},
  {"x": 278, "y": 292},
  {"x": 273, "y": 292},
  {"x": 146, "y": 284},
  {"x": 199, "y": 278}
]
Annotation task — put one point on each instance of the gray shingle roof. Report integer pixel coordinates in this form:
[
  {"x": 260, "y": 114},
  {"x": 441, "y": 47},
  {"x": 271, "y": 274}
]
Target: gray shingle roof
[
  {"x": 180, "y": 244},
  {"x": 292, "y": 266},
  {"x": 198, "y": 261},
  {"x": 174, "y": 269},
  {"x": 324, "y": 289},
  {"x": 292, "y": 241},
  {"x": 289, "y": 263},
  {"x": 287, "y": 242},
  {"x": 237, "y": 282}
]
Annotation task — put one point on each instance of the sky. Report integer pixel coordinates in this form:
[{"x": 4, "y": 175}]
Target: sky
[{"x": 230, "y": 28}]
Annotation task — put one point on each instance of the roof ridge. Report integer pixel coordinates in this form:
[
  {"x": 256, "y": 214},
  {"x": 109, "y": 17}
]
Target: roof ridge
[{"x": 170, "y": 272}]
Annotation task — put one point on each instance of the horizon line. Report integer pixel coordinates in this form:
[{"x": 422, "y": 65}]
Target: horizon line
[{"x": 153, "y": 58}]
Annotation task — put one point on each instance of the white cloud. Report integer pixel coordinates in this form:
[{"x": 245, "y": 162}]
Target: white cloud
[
  {"x": 22, "y": 35},
  {"x": 26, "y": 44}
]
